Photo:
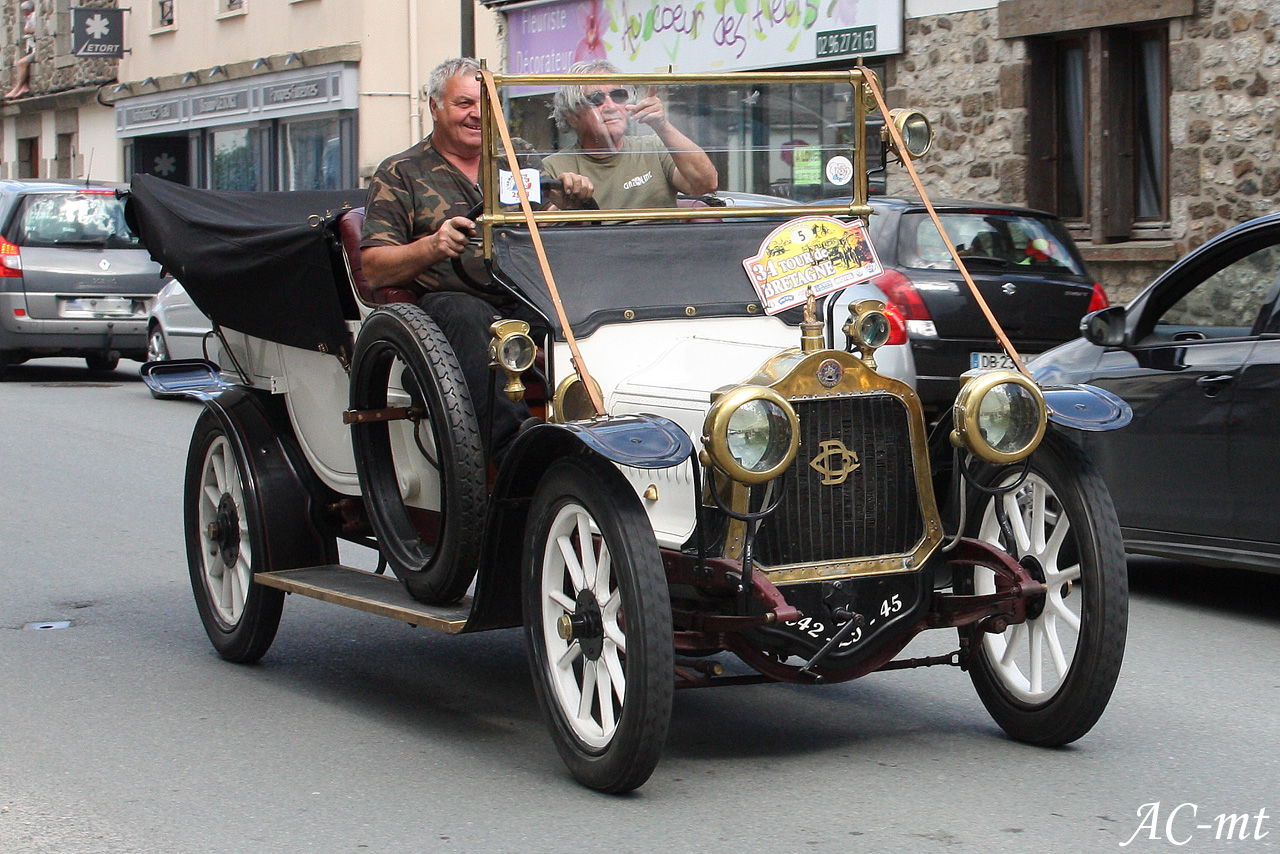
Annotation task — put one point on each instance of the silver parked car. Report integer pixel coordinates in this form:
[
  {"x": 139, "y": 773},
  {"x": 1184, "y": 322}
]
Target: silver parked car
[
  {"x": 74, "y": 280},
  {"x": 178, "y": 329}
]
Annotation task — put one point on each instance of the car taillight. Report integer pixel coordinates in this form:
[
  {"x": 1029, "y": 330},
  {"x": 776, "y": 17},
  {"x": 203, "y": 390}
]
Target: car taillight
[
  {"x": 10, "y": 260},
  {"x": 1099, "y": 298},
  {"x": 902, "y": 295},
  {"x": 897, "y": 326}
]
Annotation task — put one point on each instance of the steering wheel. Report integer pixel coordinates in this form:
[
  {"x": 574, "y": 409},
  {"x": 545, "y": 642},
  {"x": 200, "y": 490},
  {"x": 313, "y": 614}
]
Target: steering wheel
[{"x": 548, "y": 185}]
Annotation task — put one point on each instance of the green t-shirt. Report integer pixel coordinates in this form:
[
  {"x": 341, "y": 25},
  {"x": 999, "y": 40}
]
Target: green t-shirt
[{"x": 638, "y": 176}]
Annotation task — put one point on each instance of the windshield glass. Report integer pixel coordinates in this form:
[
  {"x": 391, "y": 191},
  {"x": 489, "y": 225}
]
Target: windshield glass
[
  {"x": 91, "y": 218},
  {"x": 1000, "y": 238},
  {"x": 639, "y": 143}
]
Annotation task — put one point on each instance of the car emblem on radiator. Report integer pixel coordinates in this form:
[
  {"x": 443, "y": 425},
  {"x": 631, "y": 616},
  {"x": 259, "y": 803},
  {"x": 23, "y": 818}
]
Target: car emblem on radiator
[
  {"x": 829, "y": 373},
  {"x": 105, "y": 265},
  {"x": 835, "y": 463},
  {"x": 1009, "y": 288}
]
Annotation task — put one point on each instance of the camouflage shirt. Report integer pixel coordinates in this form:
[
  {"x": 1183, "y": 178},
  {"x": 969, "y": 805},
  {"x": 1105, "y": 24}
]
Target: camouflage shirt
[{"x": 411, "y": 196}]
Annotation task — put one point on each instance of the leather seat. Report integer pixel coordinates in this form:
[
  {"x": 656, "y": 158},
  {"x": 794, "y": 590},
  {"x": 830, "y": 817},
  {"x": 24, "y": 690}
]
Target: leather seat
[{"x": 350, "y": 227}]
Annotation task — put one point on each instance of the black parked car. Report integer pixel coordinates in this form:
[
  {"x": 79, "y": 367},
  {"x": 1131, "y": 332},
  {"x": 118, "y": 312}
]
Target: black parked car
[
  {"x": 1024, "y": 263},
  {"x": 1197, "y": 355},
  {"x": 73, "y": 279}
]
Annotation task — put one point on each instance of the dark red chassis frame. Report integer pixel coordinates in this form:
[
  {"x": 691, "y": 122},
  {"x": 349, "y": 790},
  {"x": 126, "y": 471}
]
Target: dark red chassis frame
[{"x": 698, "y": 632}]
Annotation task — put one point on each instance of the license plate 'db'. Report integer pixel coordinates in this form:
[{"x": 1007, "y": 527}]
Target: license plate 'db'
[{"x": 990, "y": 361}]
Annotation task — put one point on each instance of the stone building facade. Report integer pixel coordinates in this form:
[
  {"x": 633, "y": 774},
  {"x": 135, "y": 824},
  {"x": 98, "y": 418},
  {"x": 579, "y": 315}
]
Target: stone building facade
[
  {"x": 42, "y": 131},
  {"x": 1221, "y": 163}
]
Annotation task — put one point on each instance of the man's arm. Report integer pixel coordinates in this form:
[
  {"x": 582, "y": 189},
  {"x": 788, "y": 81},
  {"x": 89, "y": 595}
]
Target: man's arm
[
  {"x": 695, "y": 173},
  {"x": 387, "y": 266}
]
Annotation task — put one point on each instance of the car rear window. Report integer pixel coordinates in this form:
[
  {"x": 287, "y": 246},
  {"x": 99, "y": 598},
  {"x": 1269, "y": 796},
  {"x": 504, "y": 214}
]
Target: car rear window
[
  {"x": 93, "y": 218},
  {"x": 999, "y": 238}
]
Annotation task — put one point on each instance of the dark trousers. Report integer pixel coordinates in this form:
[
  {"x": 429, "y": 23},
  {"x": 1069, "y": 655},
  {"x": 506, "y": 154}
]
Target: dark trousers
[{"x": 464, "y": 319}]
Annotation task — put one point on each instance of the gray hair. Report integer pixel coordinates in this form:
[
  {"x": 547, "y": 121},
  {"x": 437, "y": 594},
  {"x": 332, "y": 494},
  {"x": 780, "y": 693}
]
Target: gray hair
[
  {"x": 446, "y": 71},
  {"x": 569, "y": 99}
]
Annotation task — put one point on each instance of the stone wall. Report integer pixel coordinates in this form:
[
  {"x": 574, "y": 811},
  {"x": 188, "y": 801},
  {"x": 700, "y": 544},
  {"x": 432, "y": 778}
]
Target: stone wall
[
  {"x": 969, "y": 83},
  {"x": 54, "y": 71},
  {"x": 1224, "y": 120}
]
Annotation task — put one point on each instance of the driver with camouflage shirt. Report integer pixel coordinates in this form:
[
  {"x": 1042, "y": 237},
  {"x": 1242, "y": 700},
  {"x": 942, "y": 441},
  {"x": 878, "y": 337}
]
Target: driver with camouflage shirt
[{"x": 416, "y": 224}]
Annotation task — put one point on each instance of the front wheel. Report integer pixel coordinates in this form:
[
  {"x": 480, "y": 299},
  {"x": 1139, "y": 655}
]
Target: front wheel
[
  {"x": 157, "y": 349},
  {"x": 1048, "y": 680},
  {"x": 597, "y": 617}
]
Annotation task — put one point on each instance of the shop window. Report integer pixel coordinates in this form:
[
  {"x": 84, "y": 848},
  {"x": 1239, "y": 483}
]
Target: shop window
[
  {"x": 162, "y": 14},
  {"x": 314, "y": 155},
  {"x": 1098, "y": 117},
  {"x": 238, "y": 159}
]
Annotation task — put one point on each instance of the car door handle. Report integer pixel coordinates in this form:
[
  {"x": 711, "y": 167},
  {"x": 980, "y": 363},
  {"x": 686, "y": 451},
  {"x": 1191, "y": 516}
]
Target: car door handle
[{"x": 1213, "y": 385}]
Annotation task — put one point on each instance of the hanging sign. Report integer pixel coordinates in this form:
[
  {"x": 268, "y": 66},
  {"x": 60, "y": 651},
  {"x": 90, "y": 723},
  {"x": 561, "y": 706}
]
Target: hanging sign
[
  {"x": 814, "y": 253},
  {"x": 97, "y": 32}
]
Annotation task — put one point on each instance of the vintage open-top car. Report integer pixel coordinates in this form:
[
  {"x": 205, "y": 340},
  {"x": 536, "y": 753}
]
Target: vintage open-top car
[{"x": 722, "y": 469}]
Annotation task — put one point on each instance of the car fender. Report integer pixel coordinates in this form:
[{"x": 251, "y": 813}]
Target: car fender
[
  {"x": 639, "y": 441},
  {"x": 289, "y": 495}
]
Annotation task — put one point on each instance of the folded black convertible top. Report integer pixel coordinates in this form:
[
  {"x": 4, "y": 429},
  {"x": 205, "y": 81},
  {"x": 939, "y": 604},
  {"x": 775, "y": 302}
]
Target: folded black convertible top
[{"x": 260, "y": 263}]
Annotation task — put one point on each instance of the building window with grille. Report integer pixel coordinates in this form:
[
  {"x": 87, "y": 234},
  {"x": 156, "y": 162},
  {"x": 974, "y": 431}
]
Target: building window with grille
[
  {"x": 1099, "y": 131},
  {"x": 231, "y": 7},
  {"x": 162, "y": 14}
]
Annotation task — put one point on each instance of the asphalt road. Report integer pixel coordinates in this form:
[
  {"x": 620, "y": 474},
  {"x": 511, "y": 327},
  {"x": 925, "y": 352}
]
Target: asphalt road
[{"x": 124, "y": 732}]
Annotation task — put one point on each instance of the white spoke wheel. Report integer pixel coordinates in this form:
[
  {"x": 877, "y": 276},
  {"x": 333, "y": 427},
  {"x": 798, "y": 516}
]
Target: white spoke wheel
[
  {"x": 1048, "y": 680},
  {"x": 225, "y": 547},
  {"x": 598, "y": 621},
  {"x": 227, "y": 536},
  {"x": 435, "y": 553}
]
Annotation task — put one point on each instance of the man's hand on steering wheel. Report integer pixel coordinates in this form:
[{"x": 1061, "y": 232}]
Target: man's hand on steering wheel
[
  {"x": 453, "y": 236},
  {"x": 574, "y": 192},
  {"x": 569, "y": 191}
]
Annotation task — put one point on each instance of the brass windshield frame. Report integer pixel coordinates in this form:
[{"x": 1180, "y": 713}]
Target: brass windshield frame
[{"x": 492, "y": 157}]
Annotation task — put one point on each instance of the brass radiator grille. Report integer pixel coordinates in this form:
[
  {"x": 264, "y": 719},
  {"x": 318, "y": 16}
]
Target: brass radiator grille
[{"x": 873, "y": 509}]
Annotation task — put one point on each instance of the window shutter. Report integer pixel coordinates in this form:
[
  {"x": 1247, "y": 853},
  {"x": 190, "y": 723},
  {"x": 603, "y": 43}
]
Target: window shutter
[{"x": 1117, "y": 135}]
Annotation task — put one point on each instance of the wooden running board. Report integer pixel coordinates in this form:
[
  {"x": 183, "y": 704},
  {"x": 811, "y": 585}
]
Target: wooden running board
[{"x": 378, "y": 594}]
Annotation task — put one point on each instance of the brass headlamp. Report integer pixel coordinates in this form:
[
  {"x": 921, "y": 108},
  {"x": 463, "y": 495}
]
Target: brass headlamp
[
  {"x": 512, "y": 350},
  {"x": 751, "y": 433},
  {"x": 915, "y": 129},
  {"x": 868, "y": 327},
  {"x": 1000, "y": 416}
]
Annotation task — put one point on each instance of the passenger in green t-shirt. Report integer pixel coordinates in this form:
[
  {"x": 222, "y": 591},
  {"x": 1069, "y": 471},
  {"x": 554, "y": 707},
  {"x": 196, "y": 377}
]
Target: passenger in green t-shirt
[{"x": 627, "y": 171}]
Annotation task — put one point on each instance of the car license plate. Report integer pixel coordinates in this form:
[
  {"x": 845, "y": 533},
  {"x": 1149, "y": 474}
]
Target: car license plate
[
  {"x": 990, "y": 361},
  {"x": 95, "y": 307}
]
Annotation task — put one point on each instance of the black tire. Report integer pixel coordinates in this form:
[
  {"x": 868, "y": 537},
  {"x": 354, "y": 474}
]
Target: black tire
[
  {"x": 612, "y": 747},
  {"x": 102, "y": 361},
  {"x": 1084, "y": 567},
  {"x": 239, "y": 616},
  {"x": 157, "y": 347},
  {"x": 436, "y": 558}
]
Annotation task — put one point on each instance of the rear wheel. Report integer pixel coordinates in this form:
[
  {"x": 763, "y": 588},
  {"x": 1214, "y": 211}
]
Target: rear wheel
[
  {"x": 597, "y": 617},
  {"x": 432, "y": 460},
  {"x": 1048, "y": 680},
  {"x": 102, "y": 361},
  {"x": 225, "y": 546}
]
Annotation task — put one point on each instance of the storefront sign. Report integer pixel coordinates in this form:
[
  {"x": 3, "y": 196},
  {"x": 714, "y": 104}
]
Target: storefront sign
[
  {"x": 166, "y": 111},
  {"x": 97, "y": 32},
  {"x": 203, "y": 105},
  {"x": 303, "y": 90},
  {"x": 719, "y": 35}
]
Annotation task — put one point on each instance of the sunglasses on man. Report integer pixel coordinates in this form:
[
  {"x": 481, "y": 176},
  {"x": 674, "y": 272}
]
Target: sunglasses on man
[{"x": 596, "y": 99}]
